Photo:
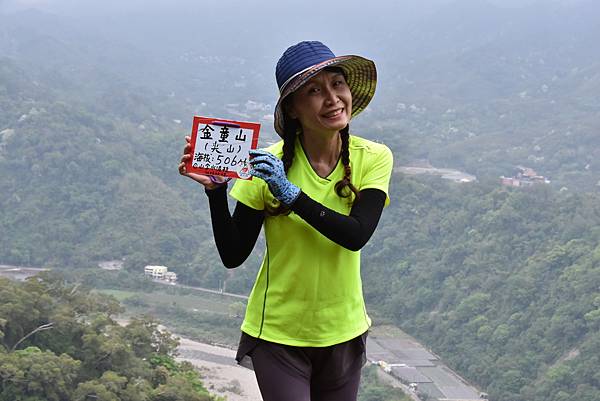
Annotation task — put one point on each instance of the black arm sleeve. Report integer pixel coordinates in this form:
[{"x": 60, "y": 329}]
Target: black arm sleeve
[
  {"x": 235, "y": 235},
  {"x": 351, "y": 232}
]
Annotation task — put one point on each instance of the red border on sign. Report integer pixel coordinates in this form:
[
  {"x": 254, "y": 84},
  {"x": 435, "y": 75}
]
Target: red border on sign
[{"x": 255, "y": 127}]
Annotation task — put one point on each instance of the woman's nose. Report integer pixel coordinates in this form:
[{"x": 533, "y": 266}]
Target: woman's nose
[{"x": 330, "y": 96}]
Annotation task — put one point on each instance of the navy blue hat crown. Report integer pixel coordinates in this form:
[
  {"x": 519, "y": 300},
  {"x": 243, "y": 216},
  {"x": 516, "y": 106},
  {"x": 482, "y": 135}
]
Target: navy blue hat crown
[{"x": 299, "y": 58}]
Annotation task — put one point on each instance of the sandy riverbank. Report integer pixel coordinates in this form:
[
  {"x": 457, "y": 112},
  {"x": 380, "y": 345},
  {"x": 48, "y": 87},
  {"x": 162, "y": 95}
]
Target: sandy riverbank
[{"x": 220, "y": 372}]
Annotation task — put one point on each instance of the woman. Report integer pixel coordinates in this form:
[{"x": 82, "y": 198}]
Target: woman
[{"x": 319, "y": 194}]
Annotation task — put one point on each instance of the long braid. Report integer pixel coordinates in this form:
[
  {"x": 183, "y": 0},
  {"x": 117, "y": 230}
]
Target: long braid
[
  {"x": 289, "y": 143},
  {"x": 346, "y": 181},
  {"x": 290, "y": 129}
]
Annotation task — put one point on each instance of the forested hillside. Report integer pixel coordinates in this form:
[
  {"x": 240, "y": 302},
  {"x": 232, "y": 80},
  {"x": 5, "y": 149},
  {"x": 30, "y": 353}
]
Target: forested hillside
[
  {"x": 503, "y": 283},
  {"x": 59, "y": 343},
  {"x": 84, "y": 182},
  {"x": 468, "y": 85},
  {"x": 484, "y": 88}
]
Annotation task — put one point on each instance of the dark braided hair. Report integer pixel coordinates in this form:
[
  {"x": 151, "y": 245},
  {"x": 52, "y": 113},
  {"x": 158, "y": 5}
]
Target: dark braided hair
[
  {"x": 342, "y": 186},
  {"x": 290, "y": 128}
]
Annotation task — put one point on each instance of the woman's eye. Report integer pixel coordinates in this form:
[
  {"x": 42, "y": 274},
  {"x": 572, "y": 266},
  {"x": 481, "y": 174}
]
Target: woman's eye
[
  {"x": 313, "y": 90},
  {"x": 338, "y": 82}
]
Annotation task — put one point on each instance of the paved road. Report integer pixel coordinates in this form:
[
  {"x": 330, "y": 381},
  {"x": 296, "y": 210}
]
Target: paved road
[
  {"x": 446, "y": 173},
  {"x": 19, "y": 272},
  {"x": 211, "y": 291},
  {"x": 394, "y": 382}
]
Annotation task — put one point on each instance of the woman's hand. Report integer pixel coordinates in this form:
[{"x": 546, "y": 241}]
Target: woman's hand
[
  {"x": 268, "y": 167},
  {"x": 209, "y": 182}
]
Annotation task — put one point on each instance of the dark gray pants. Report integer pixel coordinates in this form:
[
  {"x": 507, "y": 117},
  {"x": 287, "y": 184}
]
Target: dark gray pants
[{"x": 286, "y": 373}]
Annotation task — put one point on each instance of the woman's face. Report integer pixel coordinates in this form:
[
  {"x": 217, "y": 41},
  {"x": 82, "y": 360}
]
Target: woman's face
[{"x": 323, "y": 104}]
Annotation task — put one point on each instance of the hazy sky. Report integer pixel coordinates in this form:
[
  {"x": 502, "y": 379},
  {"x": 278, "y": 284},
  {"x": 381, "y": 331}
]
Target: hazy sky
[{"x": 112, "y": 6}]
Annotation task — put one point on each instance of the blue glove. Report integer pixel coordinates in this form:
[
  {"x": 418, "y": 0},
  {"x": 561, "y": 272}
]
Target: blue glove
[{"x": 268, "y": 167}]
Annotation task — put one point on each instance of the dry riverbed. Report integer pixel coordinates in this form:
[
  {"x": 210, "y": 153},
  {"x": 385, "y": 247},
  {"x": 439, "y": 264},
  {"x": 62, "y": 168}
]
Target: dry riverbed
[{"x": 220, "y": 372}]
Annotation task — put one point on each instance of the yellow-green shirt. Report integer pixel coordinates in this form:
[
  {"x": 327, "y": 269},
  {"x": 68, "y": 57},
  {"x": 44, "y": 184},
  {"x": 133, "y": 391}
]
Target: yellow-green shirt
[{"x": 308, "y": 291}]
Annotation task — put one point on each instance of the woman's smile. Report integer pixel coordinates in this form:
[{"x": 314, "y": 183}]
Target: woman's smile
[{"x": 333, "y": 114}]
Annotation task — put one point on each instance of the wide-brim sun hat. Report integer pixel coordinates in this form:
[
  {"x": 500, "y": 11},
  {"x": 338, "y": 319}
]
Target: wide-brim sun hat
[{"x": 301, "y": 62}]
